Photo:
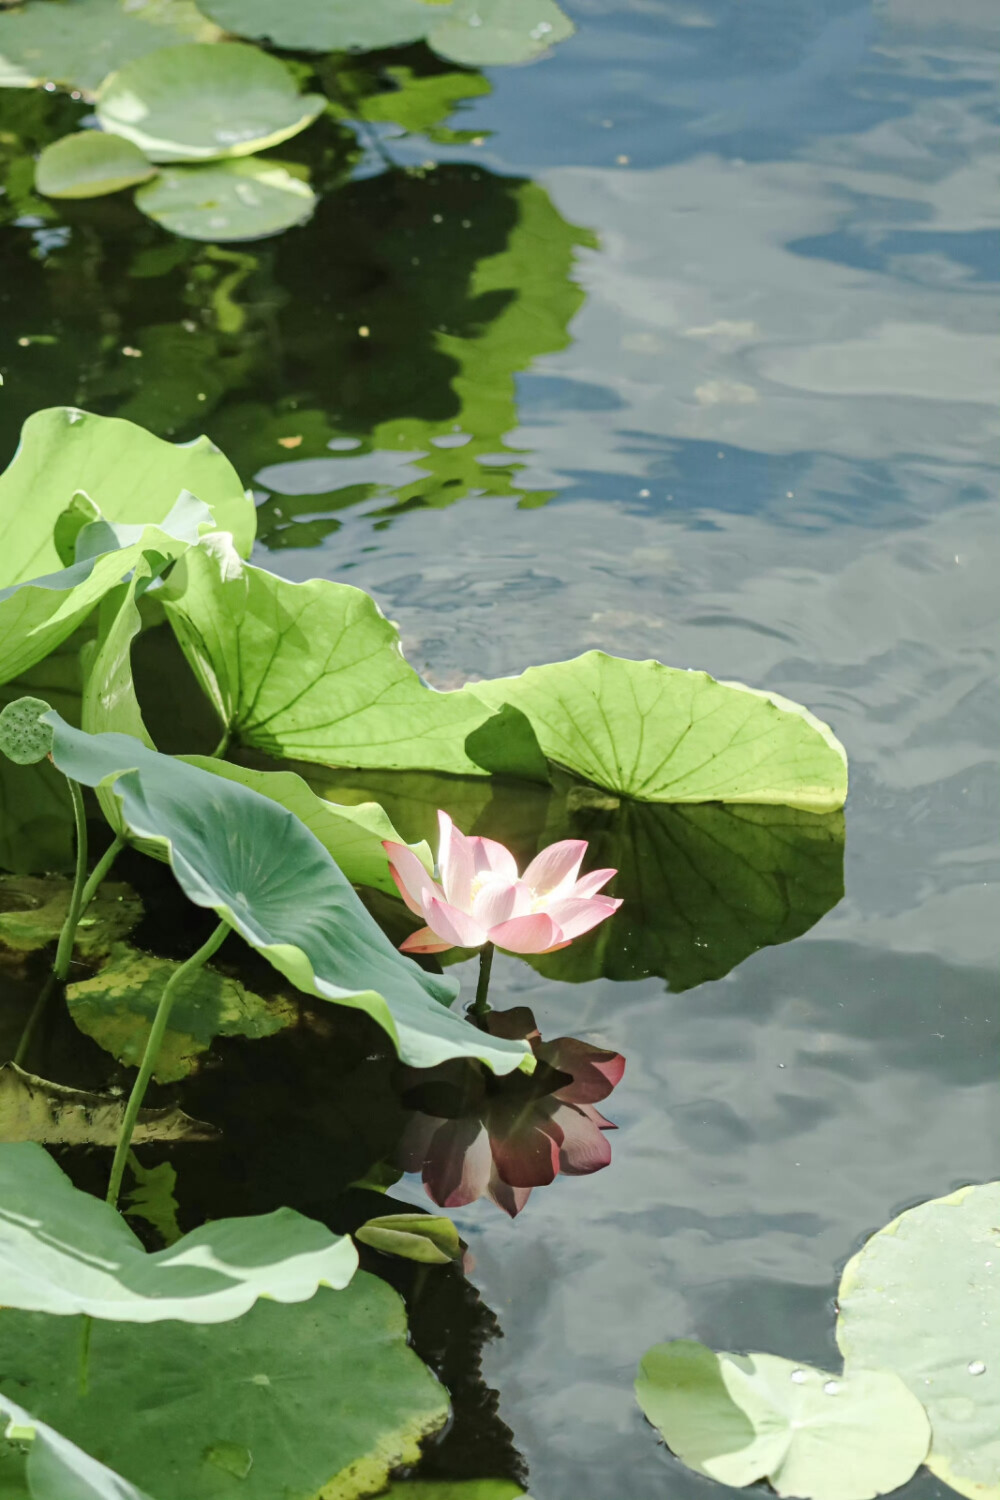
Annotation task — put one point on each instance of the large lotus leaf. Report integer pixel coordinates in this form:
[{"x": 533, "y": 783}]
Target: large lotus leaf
[
  {"x": 63, "y": 1251},
  {"x": 202, "y": 101},
  {"x": 77, "y": 43},
  {"x": 703, "y": 886},
  {"x": 254, "y": 863},
  {"x": 55, "y": 1468},
  {"x": 36, "y": 1109},
  {"x": 89, "y": 164},
  {"x": 37, "y": 616},
  {"x": 323, "y": 1398},
  {"x": 320, "y": 1398},
  {"x": 921, "y": 1298},
  {"x": 242, "y": 199},
  {"x": 352, "y": 834},
  {"x": 131, "y": 475},
  {"x": 313, "y": 671},
  {"x": 115, "y": 1007},
  {"x": 743, "y": 1417},
  {"x": 325, "y": 25},
  {"x": 33, "y": 909},
  {"x": 485, "y": 33},
  {"x": 660, "y": 734}
]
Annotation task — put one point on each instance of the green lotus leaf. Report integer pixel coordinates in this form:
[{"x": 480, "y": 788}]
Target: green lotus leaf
[
  {"x": 325, "y": 25},
  {"x": 743, "y": 1417},
  {"x": 115, "y": 1007},
  {"x": 55, "y": 1468},
  {"x": 920, "y": 1298},
  {"x": 353, "y": 835},
  {"x": 199, "y": 102},
  {"x": 312, "y": 671},
  {"x": 254, "y": 863},
  {"x": 63, "y": 1251},
  {"x": 320, "y": 1398},
  {"x": 427, "y": 1238},
  {"x": 702, "y": 886},
  {"x": 36, "y": 1109},
  {"x": 33, "y": 909},
  {"x": 486, "y": 33},
  {"x": 659, "y": 734},
  {"x": 151, "y": 1198},
  {"x": 38, "y": 615},
  {"x": 77, "y": 44},
  {"x": 244, "y": 199},
  {"x": 90, "y": 164},
  {"x": 132, "y": 476}
]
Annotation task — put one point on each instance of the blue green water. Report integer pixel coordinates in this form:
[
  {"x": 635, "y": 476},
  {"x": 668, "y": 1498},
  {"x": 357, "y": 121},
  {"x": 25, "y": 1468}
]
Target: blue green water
[{"x": 720, "y": 388}]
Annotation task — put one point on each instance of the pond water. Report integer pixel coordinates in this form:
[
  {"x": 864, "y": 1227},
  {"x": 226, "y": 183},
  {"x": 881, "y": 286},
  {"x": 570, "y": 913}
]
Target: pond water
[{"x": 685, "y": 351}]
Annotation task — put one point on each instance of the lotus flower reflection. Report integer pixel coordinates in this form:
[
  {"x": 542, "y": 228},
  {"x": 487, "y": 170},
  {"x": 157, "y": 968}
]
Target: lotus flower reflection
[
  {"x": 475, "y": 1135},
  {"x": 480, "y": 897}
]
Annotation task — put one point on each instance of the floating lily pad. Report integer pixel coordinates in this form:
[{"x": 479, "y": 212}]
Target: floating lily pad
[
  {"x": 325, "y": 1397},
  {"x": 34, "y": 908},
  {"x": 325, "y": 25},
  {"x": 132, "y": 476},
  {"x": 740, "y": 1418},
  {"x": 116, "y": 1008},
  {"x": 198, "y": 102},
  {"x": 89, "y": 164},
  {"x": 921, "y": 1298},
  {"x": 486, "y": 33},
  {"x": 77, "y": 44},
  {"x": 53, "y": 1467},
  {"x": 64, "y": 1251},
  {"x": 243, "y": 199},
  {"x": 35, "y": 1109}
]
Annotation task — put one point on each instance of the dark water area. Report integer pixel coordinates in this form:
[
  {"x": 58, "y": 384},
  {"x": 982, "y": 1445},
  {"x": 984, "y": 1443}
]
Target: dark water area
[{"x": 682, "y": 343}]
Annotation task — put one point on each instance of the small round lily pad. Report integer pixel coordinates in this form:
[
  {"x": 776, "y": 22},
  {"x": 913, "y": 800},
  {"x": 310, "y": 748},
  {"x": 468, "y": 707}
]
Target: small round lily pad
[
  {"x": 90, "y": 164},
  {"x": 231, "y": 200},
  {"x": 203, "y": 101}
]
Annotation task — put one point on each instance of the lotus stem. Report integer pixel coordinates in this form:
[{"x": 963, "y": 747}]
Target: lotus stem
[
  {"x": 480, "y": 1008},
  {"x": 149, "y": 1057},
  {"x": 223, "y": 744},
  {"x": 79, "y": 898}
]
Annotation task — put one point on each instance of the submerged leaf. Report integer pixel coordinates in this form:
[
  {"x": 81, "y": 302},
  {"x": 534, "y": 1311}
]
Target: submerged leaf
[
  {"x": 255, "y": 864},
  {"x": 63, "y": 1251},
  {"x": 33, "y": 909},
  {"x": 151, "y": 1198},
  {"x": 196, "y": 102},
  {"x": 920, "y": 1298},
  {"x": 131, "y": 475},
  {"x": 34, "y": 1109},
  {"x": 244, "y": 199},
  {"x": 55, "y": 1468},
  {"x": 740, "y": 1418},
  {"x": 117, "y": 1005},
  {"x": 326, "y": 1397},
  {"x": 89, "y": 164}
]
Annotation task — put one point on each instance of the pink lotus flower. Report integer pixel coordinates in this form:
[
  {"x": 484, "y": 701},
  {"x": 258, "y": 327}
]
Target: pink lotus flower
[
  {"x": 481, "y": 898},
  {"x": 475, "y": 1135}
]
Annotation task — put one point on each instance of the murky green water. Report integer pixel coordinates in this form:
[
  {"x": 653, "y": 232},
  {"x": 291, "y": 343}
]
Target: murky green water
[{"x": 686, "y": 351}]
